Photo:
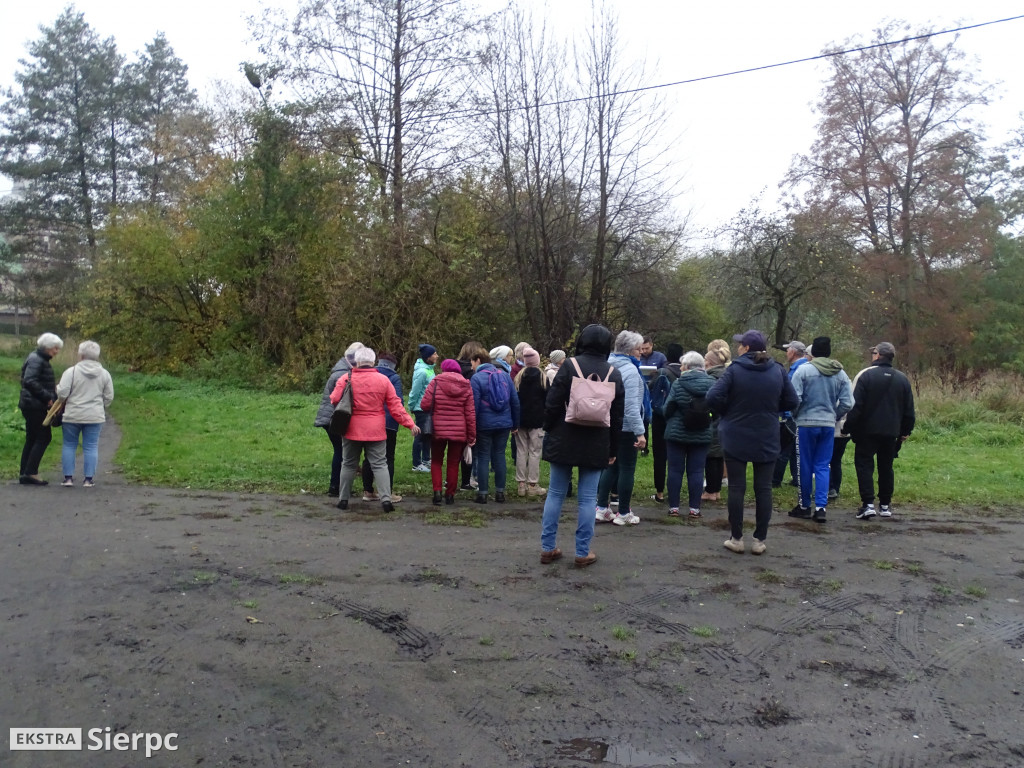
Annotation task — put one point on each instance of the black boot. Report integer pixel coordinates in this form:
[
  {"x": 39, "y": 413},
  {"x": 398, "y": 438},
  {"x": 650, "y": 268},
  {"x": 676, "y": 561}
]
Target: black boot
[
  {"x": 343, "y": 504},
  {"x": 481, "y": 498},
  {"x": 387, "y": 506},
  {"x": 332, "y": 491},
  {"x": 499, "y": 497},
  {"x": 449, "y": 498},
  {"x": 437, "y": 498}
]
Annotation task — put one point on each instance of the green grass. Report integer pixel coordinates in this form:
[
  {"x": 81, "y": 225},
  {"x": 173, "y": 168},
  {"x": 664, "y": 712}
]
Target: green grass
[
  {"x": 622, "y": 633},
  {"x": 705, "y": 630},
  {"x": 183, "y": 433}
]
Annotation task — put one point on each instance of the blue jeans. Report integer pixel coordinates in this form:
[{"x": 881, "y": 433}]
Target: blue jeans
[
  {"x": 490, "y": 447},
  {"x": 586, "y": 498},
  {"x": 816, "y": 445},
  {"x": 689, "y": 458},
  {"x": 90, "y": 447}
]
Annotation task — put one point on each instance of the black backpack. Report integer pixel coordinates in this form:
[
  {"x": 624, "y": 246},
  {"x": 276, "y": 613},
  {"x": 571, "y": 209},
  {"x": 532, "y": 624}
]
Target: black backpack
[{"x": 696, "y": 416}]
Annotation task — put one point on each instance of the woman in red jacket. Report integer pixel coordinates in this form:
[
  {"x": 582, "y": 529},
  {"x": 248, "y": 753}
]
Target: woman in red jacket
[
  {"x": 372, "y": 392},
  {"x": 449, "y": 397}
]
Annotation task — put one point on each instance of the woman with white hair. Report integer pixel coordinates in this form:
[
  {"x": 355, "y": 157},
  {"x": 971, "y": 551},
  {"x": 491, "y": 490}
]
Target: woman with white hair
[
  {"x": 88, "y": 391},
  {"x": 687, "y": 432},
  {"x": 620, "y": 474},
  {"x": 38, "y": 393},
  {"x": 326, "y": 410},
  {"x": 372, "y": 393}
]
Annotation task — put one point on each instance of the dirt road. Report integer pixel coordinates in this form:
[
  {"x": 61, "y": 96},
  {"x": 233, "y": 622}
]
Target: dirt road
[{"x": 277, "y": 631}]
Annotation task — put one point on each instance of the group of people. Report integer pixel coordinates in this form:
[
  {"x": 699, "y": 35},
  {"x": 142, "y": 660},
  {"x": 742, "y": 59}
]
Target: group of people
[
  {"x": 84, "y": 392},
  {"x": 751, "y": 410},
  {"x": 467, "y": 412}
]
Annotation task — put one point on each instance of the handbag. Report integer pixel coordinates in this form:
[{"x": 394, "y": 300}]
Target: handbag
[
  {"x": 467, "y": 455},
  {"x": 427, "y": 428},
  {"x": 55, "y": 416},
  {"x": 342, "y": 415},
  {"x": 590, "y": 399}
]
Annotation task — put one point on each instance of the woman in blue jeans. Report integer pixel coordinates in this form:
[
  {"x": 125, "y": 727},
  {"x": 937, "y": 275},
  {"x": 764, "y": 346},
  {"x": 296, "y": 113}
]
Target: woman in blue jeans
[
  {"x": 497, "y": 416},
  {"x": 87, "y": 390},
  {"x": 566, "y": 446},
  {"x": 687, "y": 433}
]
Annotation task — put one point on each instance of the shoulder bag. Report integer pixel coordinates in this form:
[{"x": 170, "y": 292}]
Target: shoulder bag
[{"x": 342, "y": 415}]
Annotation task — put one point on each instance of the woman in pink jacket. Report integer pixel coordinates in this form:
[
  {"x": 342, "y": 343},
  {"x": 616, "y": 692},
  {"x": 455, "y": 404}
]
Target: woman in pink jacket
[
  {"x": 449, "y": 397},
  {"x": 371, "y": 394}
]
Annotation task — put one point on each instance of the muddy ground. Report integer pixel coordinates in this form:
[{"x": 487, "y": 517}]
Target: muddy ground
[{"x": 277, "y": 631}]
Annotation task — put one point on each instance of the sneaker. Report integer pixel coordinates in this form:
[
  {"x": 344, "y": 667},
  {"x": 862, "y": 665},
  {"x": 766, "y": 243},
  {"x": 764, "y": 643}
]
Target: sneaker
[
  {"x": 866, "y": 512},
  {"x": 804, "y": 513},
  {"x": 69, "y": 482},
  {"x": 522, "y": 489},
  {"x": 395, "y": 498},
  {"x": 371, "y": 496},
  {"x": 536, "y": 490},
  {"x": 819, "y": 514},
  {"x": 603, "y": 515},
  {"x": 88, "y": 483},
  {"x": 421, "y": 468},
  {"x": 473, "y": 483},
  {"x": 627, "y": 519},
  {"x": 734, "y": 545},
  {"x": 673, "y": 512},
  {"x": 884, "y": 511},
  {"x": 832, "y": 494},
  {"x": 758, "y": 547},
  {"x": 467, "y": 487},
  {"x": 695, "y": 513}
]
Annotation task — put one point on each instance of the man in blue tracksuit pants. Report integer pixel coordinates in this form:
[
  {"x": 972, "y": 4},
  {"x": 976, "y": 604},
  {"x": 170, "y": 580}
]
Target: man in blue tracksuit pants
[{"x": 826, "y": 395}]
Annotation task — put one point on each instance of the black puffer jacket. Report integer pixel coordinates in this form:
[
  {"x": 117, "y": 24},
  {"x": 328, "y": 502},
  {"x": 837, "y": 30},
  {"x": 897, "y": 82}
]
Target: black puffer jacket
[
  {"x": 38, "y": 385},
  {"x": 572, "y": 444}
]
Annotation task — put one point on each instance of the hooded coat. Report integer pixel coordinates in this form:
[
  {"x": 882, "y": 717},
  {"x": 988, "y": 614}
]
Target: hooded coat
[
  {"x": 824, "y": 391},
  {"x": 89, "y": 391},
  {"x": 486, "y": 417},
  {"x": 690, "y": 384},
  {"x": 572, "y": 444},
  {"x": 449, "y": 397},
  {"x": 748, "y": 397},
  {"x": 422, "y": 373}
]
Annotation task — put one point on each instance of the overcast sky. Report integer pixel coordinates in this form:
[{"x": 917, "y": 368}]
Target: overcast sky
[{"x": 737, "y": 135}]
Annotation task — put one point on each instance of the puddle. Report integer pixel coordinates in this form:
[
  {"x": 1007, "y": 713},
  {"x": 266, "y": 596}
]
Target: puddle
[{"x": 594, "y": 751}]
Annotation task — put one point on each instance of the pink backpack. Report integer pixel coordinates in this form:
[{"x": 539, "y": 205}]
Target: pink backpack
[{"x": 590, "y": 399}]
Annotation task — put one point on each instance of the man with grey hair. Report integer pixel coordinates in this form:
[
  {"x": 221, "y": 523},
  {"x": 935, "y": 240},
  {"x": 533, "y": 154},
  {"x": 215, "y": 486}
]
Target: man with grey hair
[
  {"x": 620, "y": 474},
  {"x": 881, "y": 419}
]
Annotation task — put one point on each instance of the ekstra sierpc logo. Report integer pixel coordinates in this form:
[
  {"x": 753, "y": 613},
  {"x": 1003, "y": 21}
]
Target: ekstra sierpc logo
[{"x": 95, "y": 740}]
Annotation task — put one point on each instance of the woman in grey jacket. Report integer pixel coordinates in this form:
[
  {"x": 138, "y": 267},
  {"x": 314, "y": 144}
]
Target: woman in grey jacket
[{"x": 87, "y": 390}]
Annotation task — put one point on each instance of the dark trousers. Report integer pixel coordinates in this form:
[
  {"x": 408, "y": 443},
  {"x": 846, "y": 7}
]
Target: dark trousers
[
  {"x": 762, "y": 496},
  {"x": 37, "y": 438},
  {"x": 619, "y": 477},
  {"x": 867, "y": 447},
  {"x": 420, "y": 442},
  {"x": 660, "y": 452},
  {"x": 389, "y": 452},
  {"x": 835, "y": 473},
  {"x": 714, "y": 470},
  {"x": 787, "y": 454},
  {"x": 690, "y": 459},
  {"x": 337, "y": 443}
]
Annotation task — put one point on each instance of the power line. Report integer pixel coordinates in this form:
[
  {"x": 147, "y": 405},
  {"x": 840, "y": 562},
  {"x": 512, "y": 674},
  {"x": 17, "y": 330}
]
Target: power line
[{"x": 733, "y": 73}]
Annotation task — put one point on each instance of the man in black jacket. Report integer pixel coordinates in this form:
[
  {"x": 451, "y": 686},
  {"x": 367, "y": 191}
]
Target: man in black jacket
[{"x": 881, "y": 419}]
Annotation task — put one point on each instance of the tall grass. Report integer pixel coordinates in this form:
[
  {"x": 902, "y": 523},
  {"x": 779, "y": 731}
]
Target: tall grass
[{"x": 964, "y": 452}]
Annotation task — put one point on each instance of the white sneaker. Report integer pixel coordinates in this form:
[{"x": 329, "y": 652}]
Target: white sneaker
[
  {"x": 884, "y": 511},
  {"x": 627, "y": 519},
  {"x": 758, "y": 547},
  {"x": 422, "y": 468},
  {"x": 734, "y": 545},
  {"x": 69, "y": 482},
  {"x": 603, "y": 515}
]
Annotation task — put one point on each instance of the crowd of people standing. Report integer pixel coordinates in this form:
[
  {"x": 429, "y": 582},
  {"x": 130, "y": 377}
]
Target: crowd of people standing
[{"x": 707, "y": 416}]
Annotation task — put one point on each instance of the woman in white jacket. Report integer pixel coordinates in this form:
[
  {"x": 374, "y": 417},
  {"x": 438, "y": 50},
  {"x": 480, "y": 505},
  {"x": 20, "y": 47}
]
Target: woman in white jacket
[{"x": 87, "y": 389}]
